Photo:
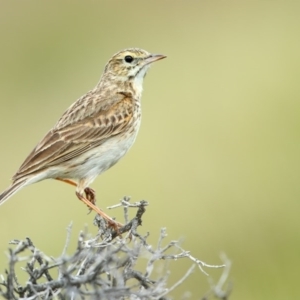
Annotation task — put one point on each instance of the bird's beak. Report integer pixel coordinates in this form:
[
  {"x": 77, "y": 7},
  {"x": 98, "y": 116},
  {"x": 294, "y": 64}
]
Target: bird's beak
[{"x": 153, "y": 57}]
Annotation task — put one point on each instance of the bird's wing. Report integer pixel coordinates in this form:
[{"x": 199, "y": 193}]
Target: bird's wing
[{"x": 67, "y": 142}]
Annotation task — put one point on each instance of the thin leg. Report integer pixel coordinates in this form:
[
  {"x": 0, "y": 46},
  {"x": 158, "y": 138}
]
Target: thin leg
[
  {"x": 109, "y": 220},
  {"x": 89, "y": 192},
  {"x": 90, "y": 202},
  {"x": 67, "y": 181}
]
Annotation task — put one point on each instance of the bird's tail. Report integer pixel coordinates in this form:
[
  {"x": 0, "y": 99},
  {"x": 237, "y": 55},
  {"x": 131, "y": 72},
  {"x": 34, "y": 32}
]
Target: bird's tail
[{"x": 12, "y": 190}]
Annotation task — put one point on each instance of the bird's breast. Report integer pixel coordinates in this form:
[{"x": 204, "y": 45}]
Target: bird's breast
[{"x": 99, "y": 159}]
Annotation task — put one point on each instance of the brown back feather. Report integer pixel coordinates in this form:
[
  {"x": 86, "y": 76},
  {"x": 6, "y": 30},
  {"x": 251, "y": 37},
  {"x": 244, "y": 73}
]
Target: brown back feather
[{"x": 74, "y": 135}]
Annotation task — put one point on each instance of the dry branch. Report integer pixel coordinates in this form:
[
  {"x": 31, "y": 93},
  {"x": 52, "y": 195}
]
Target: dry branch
[{"x": 102, "y": 267}]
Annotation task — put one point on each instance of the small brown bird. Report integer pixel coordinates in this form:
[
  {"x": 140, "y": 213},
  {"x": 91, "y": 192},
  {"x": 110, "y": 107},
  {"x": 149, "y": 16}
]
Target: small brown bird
[{"x": 94, "y": 133}]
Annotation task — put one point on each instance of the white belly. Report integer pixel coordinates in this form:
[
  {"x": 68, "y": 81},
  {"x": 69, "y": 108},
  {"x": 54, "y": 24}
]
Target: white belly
[{"x": 95, "y": 161}]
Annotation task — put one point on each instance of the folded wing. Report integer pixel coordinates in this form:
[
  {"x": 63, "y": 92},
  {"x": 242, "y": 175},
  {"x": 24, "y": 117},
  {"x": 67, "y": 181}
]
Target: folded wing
[{"x": 67, "y": 142}]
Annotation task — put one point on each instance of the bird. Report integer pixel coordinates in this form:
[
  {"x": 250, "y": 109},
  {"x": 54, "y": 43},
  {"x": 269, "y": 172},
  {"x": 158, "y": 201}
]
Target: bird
[{"x": 94, "y": 133}]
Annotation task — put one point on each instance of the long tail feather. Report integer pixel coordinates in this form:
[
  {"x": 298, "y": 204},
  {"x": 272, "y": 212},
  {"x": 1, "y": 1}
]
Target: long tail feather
[{"x": 12, "y": 190}]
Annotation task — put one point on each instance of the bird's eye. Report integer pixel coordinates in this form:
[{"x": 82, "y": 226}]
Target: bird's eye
[{"x": 128, "y": 58}]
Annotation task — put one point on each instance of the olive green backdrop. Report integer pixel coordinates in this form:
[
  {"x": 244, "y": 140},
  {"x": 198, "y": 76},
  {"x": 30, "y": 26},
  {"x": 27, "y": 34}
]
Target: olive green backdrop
[{"x": 217, "y": 155}]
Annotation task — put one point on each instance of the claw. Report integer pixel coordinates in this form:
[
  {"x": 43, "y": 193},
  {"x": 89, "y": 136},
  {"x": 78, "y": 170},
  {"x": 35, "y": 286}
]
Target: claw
[
  {"x": 90, "y": 195},
  {"x": 91, "y": 205}
]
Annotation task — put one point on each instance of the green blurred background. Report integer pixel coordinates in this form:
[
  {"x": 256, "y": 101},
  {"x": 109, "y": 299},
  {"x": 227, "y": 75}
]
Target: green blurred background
[{"x": 217, "y": 155}]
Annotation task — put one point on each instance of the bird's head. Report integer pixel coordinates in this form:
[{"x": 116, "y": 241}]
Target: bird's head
[{"x": 130, "y": 65}]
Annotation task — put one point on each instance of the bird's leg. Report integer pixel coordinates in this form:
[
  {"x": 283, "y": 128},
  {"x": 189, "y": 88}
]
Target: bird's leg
[
  {"x": 90, "y": 200},
  {"x": 109, "y": 220},
  {"x": 71, "y": 182},
  {"x": 89, "y": 192}
]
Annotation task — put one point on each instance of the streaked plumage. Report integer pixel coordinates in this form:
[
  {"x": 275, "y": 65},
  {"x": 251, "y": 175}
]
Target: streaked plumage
[{"x": 94, "y": 133}]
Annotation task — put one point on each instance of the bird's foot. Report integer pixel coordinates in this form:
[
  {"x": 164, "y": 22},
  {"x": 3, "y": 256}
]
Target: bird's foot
[
  {"x": 90, "y": 200},
  {"x": 90, "y": 194}
]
